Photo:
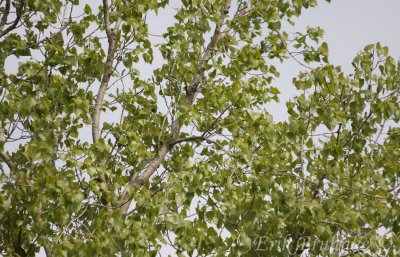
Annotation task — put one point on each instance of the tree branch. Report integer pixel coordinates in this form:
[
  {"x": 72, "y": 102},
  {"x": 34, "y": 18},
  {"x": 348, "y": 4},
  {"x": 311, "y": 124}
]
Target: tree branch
[
  {"x": 191, "y": 91},
  {"x": 112, "y": 47},
  {"x": 193, "y": 86},
  {"x": 195, "y": 138},
  {"x": 16, "y": 21},
  {"x": 5, "y": 15},
  {"x": 47, "y": 250},
  {"x": 18, "y": 245},
  {"x": 187, "y": 139},
  {"x": 6, "y": 158},
  {"x": 357, "y": 130},
  {"x": 106, "y": 18}
]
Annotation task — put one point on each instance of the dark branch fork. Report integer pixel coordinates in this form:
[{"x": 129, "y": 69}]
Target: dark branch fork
[{"x": 3, "y": 21}]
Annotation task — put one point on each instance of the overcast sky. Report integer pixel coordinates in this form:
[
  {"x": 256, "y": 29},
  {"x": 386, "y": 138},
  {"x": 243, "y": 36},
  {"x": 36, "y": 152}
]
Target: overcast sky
[{"x": 349, "y": 25}]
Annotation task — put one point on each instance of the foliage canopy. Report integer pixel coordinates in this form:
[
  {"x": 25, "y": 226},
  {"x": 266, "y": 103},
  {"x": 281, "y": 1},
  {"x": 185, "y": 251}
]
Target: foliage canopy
[{"x": 189, "y": 156}]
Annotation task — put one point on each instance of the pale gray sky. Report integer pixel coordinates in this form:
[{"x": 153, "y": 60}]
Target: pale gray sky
[{"x": 349, "y": 25}]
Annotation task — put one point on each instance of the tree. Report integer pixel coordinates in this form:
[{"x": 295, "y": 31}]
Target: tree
[{"x": 190, "y": 157}]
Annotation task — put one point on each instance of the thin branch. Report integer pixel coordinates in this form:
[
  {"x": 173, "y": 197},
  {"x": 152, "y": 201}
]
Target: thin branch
[
  {"x": 6, "y": 158},
  {"x": 195, "y": 138},
  {"x": 106, "y": 18},
  {"x": 340, "y": 226},
  {"x": 5, "y": 15},
  {"x": 16, "y": 21},
  {"x": 302, "y": 166},
  {"x": 358, "y": 129}
]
